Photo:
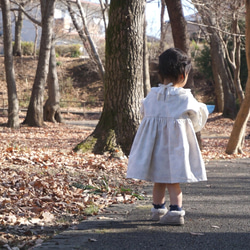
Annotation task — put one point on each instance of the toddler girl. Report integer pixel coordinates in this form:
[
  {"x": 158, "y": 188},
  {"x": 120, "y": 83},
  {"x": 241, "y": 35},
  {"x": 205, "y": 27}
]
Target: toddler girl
[{"x": 165, "y": 150}]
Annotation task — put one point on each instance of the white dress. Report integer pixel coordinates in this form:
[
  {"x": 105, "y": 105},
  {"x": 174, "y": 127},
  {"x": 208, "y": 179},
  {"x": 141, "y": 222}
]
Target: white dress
[{"x": 165, "y": 148}]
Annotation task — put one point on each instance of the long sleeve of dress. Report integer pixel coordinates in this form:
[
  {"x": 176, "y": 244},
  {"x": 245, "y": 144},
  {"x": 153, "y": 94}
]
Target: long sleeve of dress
[{"x": 198, "y": 114}]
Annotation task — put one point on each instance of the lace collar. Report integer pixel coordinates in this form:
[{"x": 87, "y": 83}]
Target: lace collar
[{"x": 170, "y": 90}]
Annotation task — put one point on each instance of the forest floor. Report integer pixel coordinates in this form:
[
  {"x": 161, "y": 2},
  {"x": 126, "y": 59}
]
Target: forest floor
[{"x": 45, "y": 187}]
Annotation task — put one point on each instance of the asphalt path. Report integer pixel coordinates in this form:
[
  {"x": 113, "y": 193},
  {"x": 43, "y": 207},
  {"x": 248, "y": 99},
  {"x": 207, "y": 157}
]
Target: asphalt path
[{"x": 217, "y": 217}]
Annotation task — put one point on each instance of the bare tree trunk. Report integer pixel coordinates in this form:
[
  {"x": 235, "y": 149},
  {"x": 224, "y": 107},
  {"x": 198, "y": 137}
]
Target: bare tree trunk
[
  {"x": 84, "y": 34},
  {"x": 219, "y": 65},
  {"x": 17, "y": 50},
  {"x": 146, "y": 75},
  {"x": 178, "y": 24},
  {"x": 123, "y": 86},
  {"x": 219, "y": 102},
  {"x": 233, "y": 57},
  {"x": 219, "y": 95},
  {"x": 238, "y": 133},
  {"x": 79, "y": 29},
  {"x": 34, "y": 115},
  {"x": 91, "y": 43},
  {"x": 13, "y": 105},
  {"x": 104, "y": 7},
  {"x": 52, "y": 106},
  {"x": 236, "y": 69},
  {"x": 179, "y": 31},
  {"x": 163, "y": 27},
  {"x": 36, "y": 36},
  {"x": 229, "y": 109}
]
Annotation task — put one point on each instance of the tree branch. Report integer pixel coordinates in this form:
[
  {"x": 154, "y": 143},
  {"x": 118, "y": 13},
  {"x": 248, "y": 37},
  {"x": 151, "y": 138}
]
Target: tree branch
[
  {"x": 216, "y": 28},
  {"x": 32, "y": 19}
]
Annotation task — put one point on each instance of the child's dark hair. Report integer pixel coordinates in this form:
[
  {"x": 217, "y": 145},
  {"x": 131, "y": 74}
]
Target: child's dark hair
[{"x": 172, "y": 63}]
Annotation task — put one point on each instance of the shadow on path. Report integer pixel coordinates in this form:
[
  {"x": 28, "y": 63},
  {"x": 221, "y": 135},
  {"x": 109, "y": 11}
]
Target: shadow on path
[{"x": 217, "y": 217}]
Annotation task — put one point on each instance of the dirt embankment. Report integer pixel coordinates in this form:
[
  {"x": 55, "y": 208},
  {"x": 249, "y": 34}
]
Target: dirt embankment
[
  {"x": 80, "y": 84},
  {"x": 79, "y": 81}
]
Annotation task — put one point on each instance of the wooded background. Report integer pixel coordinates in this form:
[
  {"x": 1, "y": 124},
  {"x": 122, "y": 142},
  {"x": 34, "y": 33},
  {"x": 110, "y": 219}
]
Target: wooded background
[{"x": 124, "y": 68}]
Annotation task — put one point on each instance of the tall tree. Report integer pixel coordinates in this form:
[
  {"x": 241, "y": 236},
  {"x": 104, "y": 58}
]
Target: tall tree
[
  {"x": 105, "y": 9},
  {"x": 34, "y": 115},
  {"x": 221, "y": 19},
  {"x": 123, "y": 84},
  {"x": 220, "y": 69},
  {"x": 29, "y": 14},
  {"x": 179, "y": 30},
  {"x": 178, "y": 24},
  {"x": 36, "y": 26},
  {"x": 17, "y": 50},
  {"x": 146, "y": 74},
  {"x": 215, "y": 47},
  {"x": 13, "y": 105},
  {"x": 163, "y": 27},
  {"x": 234, "y": 57},
  {"x": 85, "y": 35},
  {"x": 52, "y": 111},
  {"x": 238, "y": 133}
]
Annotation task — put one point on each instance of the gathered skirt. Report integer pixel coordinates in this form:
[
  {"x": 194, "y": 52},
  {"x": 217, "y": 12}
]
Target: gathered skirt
[{"x": 165, "y": 150}]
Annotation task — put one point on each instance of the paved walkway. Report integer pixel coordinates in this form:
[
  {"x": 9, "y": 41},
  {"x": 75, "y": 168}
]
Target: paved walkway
[{"x": 217, "y": 217}]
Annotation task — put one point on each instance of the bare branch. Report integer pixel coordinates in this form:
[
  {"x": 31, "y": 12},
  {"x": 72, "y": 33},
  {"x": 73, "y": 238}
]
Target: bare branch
[
  {"x": 32, "y": 19},
  {"x": 91, "y": 42},
  {"x": 103, "y": 8},
  {"x": 217, "y": 29}
]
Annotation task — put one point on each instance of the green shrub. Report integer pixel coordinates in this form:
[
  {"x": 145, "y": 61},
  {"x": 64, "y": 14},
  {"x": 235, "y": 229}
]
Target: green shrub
[
  {"x": 58, "y": 63},
  {"x": 68, "y": 50},
  {"x": 27, "y": 48},
  {"x": 194, "y": 49},
  {"x": 204, "y": 63}
]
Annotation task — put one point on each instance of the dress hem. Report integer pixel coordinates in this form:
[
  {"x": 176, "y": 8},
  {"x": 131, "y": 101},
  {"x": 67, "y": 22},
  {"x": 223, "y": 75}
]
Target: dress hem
[{"x": 166, "y": 181}]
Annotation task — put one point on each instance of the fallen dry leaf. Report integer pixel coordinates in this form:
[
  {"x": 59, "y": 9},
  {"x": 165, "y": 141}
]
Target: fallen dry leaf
[
  {"x": 213, "y": 226},
  {"x": 45, "y": 187},
  {"x": 44, "y": 184},
  {"x": 92, "y": 240},
  {"x": 197, "y": 234}
]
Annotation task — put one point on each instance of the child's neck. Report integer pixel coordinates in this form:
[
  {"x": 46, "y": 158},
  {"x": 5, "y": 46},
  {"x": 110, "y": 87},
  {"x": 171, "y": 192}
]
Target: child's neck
[{"x": 175, "y": 84}]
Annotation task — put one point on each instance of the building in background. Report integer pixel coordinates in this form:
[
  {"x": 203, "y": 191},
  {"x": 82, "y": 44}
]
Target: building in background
[{"x": 63, "y": 26}]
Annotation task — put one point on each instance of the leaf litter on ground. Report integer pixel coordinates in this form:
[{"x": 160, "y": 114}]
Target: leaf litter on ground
[{"x": 45, "y": 187}]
